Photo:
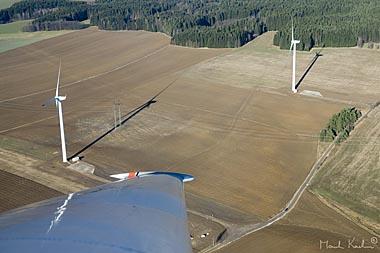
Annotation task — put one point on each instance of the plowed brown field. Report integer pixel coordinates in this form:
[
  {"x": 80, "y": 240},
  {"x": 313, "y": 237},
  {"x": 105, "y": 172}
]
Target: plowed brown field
[
  {"x": 249, "y": 144},
  {"x": 248, "y": 149},
  {"x": 17, "y": 191}
]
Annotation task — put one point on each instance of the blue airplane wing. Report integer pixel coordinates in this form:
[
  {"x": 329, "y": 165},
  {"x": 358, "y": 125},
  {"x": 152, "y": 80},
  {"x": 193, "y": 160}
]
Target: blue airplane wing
[{"x": 141, "y": 214}]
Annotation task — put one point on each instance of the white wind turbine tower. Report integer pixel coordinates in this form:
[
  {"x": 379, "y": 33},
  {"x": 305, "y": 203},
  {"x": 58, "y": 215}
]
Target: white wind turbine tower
[
  {"x": 58, "y": 103},
  {"x": 294, "y": 46}
]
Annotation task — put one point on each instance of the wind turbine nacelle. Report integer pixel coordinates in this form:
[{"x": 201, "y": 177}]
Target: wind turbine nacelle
[
  {"x": 60, "y": 98},
  {"x": 295, "y": 41}
]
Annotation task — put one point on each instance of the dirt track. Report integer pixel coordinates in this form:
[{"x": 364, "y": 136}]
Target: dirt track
[{"x": 303, "y": 230}]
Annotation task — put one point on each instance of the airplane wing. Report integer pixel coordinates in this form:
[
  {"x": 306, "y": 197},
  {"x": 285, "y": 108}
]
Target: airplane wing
[{"x": 144, "y": 213}]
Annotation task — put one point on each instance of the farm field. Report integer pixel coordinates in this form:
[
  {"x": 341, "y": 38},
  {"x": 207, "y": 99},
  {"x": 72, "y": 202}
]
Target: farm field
[
  {"x": 353, "y": 79},
  {"x": 7, "y": 3},
  {"x": 351, "y": 176},
  {"x": 11, "y": 35},
  {"x": 14, "y": 27},
  {"x": 306, "y": 229},
  {"x": 18, "y": 191},
  {"x": 259, "y": 135},
  {"x": 227, "y": 117}
]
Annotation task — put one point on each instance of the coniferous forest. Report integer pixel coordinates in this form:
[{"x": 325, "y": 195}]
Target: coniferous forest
[
  {"x": 213, "y": 23},
  {"x": 340, "y": 125}
]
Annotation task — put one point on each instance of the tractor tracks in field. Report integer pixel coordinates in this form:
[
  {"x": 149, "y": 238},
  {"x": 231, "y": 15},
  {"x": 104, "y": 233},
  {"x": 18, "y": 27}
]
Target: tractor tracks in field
[
  {"x": 71, "y": 84},
  {"x": 236, "y": 233},
  {"x": 222, "y": 139},
  {"x": 90, "y": 77}
]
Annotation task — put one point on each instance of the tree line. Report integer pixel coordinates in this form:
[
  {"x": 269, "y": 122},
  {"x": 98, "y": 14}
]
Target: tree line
[
  {"x": 340, "y": 125},
  {"x": 47, "y": 14},
  {"x": 217, "y": 23}
]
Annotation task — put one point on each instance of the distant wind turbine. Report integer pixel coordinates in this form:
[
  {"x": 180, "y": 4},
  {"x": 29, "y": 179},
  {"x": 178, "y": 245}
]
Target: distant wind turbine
[
  {"x": 294, "y": 46},
  {"x": 58, "y": 103}
]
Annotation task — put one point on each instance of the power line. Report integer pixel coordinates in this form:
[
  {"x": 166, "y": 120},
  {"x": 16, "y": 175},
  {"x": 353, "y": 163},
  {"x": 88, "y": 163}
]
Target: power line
[{"x": 117, "y": 113}]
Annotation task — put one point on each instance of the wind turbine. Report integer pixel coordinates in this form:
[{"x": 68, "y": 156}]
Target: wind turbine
[
  {"x": 294, "y": 46},
  {"x": 58, "y": 103}
]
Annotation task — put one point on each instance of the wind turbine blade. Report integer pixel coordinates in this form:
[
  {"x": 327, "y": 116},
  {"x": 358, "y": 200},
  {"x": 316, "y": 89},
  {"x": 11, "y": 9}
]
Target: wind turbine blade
[
  {"x": 58, "y": 80},
  {"x": 49, "y": 101},
  {"x": 292, "y": 30},
  {"x": 290, "y": 49}
]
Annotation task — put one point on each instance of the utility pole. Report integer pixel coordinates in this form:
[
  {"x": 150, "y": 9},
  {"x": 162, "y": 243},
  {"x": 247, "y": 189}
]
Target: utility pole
[
  {"x": 118, "y": 103},
  {"x": 114, "y": 113},
  {"x": 117, "y": 113}
]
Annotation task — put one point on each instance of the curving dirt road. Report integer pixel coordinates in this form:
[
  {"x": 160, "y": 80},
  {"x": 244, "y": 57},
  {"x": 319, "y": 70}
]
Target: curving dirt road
[{"x": 235, "y": 233}]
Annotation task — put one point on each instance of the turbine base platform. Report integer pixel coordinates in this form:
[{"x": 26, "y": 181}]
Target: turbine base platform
[
  {"x": 311, "y": 93},
  {"x": 83, "y": 167}
]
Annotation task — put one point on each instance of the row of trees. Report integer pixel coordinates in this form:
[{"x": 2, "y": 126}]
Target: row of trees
[
  {"x": 50, "y": 9},
  {"x": 327, "y": 23},
  {"x": 219, "y": 23},
  {"x": 189, "y": 23},
  {"x": 340, "y": 125},
  {"x": 47, "y": 14},
  {"x": 233, "y": 35},
  {"x": 54, "y": 26}
]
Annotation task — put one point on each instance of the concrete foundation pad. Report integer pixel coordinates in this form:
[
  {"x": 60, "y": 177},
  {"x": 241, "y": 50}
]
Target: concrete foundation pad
[
  {"x": 83, "y": 167},
  {"x": 311, "y": 93}
]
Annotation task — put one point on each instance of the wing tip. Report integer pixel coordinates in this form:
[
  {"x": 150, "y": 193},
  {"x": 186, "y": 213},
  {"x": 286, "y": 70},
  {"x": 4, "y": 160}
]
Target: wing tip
[{"x": 123, "y": 176}]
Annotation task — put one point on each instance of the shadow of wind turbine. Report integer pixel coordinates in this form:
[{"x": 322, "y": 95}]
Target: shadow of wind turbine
[
  {"x": 126, "y": 117},
  {"x": 311, "y": 64}
]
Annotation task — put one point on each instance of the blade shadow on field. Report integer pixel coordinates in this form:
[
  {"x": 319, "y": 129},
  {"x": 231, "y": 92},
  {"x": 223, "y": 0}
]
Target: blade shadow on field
[
  {"x": 311, "y": 64},
  {"x": 125, "y": 118}
]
